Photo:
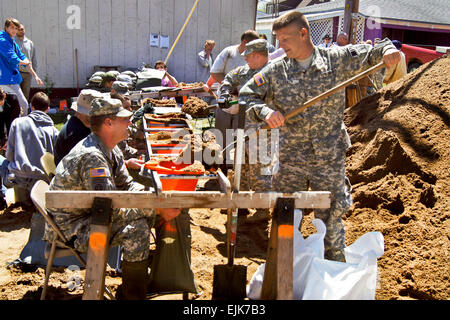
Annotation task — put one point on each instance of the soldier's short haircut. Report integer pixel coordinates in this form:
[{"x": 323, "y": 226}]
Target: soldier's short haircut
[
  {"x": 40, "y": 101},
  {"x": 249, "y": 35},
  {"x": 289, "y": 18},
  {"x": 11, "y": 21},
  {"x": 96, "y": 122}
]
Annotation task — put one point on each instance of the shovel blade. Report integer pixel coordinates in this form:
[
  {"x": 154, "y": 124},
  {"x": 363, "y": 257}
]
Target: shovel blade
[{"x": 229, "y": 282}]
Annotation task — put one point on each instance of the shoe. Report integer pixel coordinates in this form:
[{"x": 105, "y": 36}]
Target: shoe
[
  {"x": 212, "y": 185},
  {"x": 3, "y": 204},
  {"x": 243, "y": 212},
  {"x": 260, "y": 215},
  {"x": 134, "y": 280}
]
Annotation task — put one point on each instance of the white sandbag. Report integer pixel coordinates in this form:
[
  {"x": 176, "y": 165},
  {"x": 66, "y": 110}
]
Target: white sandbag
[{"x": 320, "y": 279}]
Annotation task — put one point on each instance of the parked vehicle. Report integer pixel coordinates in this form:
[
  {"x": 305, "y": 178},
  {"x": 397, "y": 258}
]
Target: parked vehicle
[{"x": 416, "y": 56}]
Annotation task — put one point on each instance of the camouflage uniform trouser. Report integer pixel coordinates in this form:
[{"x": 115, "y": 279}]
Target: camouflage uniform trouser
[
  {"x": 130, "y": 228},
  {"x": 322, "y": 176},
  {"x": 257, "y": 176}
]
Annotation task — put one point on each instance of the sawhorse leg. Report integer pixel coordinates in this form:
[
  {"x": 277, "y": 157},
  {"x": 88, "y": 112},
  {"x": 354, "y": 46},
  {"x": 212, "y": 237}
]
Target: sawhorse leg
[
  {"x": 278, "y": 274},
  {"x": 97, "y": 256}
]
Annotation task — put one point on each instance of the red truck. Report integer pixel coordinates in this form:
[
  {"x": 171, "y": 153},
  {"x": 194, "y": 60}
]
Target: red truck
[{"x": 416, "y": 56}]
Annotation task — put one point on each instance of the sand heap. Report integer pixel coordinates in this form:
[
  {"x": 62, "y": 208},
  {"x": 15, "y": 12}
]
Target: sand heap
[
  {"x": 196, "y": 107},
  {"x": 399, "y": 169}
]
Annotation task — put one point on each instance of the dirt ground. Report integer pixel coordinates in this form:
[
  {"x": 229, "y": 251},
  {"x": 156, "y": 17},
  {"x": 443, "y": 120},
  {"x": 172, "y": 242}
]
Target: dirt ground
[{"x": 399, "y": 169}]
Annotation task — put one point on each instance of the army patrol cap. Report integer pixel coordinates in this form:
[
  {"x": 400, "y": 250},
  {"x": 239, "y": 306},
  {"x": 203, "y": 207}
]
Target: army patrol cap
[
  {"x": 120, "y": 87},
  {"x": 96, "y": 79},
  {"x": 105, "y": 106},
  {"x": 110, "y": 75},
  {"x": 84, "y": 100},
  {"x": 98, "y": 74},
  {"x": 124, "y": 78},
  {"x": 129, "y": 73},
  {"x": 258, "y": 45}
]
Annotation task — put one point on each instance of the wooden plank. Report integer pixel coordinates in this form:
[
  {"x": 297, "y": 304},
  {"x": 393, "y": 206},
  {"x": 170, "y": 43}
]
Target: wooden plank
[
  {"x": 24, "y": 16},
  {"x": 269, "y": 286},
  {"x": 97, "y": 255},
  {"x": 52, "y": 43},
  {"x": 161, "y": 22},
  {"x": 65, "y": 52},
  {"x": 79, "y": 43},
  {"x": 131, "y": 42},
  {"x": 92, "y": 38},
  {"x": 188, "y": 199},
  {"x": 213, "y": 26},
  {"x": 278, "y": 273},
  {"x": 9, "y": 10},
  {"x": 118, "y": 32},
  {"x": 105, "y": 35},
  {"x": 284, "y": 214},
  {"x": 143, "y": 32},
  {"x": 37, "y": 24},
  {"x": 190, "y": 35},
  {"x": 226, "y": 15},
  {"x": 177, "y": 60}
]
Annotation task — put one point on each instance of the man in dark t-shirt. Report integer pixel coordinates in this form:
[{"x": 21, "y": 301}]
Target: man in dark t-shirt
[{"x": 77, "y": 128}]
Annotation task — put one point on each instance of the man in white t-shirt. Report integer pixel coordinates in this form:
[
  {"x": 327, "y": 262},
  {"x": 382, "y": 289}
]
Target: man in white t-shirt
[{"x": 229, "y": 59}]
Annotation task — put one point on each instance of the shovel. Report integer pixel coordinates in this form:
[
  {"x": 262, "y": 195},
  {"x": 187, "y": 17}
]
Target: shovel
[
  {"x": 316, "y": 99},
  {"x": 230, "y": 280}
]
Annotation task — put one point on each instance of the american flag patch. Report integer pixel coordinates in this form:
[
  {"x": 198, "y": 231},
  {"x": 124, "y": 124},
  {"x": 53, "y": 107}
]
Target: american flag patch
[
  {"x": 97, "y": 172},
  {"x": 259, "y": 80}
]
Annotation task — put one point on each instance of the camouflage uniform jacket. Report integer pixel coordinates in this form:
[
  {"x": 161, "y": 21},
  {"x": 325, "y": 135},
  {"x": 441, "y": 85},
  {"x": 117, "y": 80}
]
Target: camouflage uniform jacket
[
  {"x": 318, "y": 132},
  {"x": 89, "y": 166},
  {"x": 236, "y": 78}
]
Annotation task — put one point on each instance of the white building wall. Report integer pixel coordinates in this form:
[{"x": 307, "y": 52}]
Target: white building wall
[{"x": 117, "y": 32}]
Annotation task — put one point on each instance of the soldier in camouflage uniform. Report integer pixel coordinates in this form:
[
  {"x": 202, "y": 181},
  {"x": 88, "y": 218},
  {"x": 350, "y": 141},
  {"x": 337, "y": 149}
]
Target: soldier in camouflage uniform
[
  {"x": 96, "y": 163},
  {"x": 257, "y": 57},
  {"x": 313, "y": 144}
]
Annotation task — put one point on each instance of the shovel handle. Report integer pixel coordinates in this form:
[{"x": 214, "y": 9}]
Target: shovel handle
[{"x": 328, "y": 93}]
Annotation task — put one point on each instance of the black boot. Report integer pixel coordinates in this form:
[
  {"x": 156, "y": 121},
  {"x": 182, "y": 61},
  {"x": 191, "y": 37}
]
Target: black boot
[{"x": 134, "y": 280}]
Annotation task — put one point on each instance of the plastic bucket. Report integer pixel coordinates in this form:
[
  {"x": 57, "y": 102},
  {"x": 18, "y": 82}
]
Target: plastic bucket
[{"x": 176, "y": 184}]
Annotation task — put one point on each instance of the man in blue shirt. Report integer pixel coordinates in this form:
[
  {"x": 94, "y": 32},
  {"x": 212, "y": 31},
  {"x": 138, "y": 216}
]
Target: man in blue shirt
[{"x": 10, "y": 59}]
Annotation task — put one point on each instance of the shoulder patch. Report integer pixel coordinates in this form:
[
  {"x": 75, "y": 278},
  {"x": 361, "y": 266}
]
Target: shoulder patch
[
  {"x": 259, "y": 80},
  {"x": 97, "y": 172}
]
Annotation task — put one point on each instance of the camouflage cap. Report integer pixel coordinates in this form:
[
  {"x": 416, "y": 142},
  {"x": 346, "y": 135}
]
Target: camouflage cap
[
  {"x": 120, "y": 87},
  {"x": 114, "y": 72},
  {"x": 105, "y": 106},
  {"x": 84, "y": 100},
  {"x": 98, "y": 73},
  {"x": 129, "y": 73},
  {"x": 96, "y": 79},
  {"x": 110, "y": 75},
  {"x": 258, "y": 45},
  {"x": 124, "y": 78}
]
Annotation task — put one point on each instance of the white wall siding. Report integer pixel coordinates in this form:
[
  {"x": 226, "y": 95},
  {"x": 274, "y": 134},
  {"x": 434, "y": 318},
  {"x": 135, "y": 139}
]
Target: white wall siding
[{"x": 117, "y": 33}]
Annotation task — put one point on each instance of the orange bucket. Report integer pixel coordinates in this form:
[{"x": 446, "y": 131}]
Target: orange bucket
[
  {"x": 166, "y": 148},
  {"x": 168, "y": 167}
]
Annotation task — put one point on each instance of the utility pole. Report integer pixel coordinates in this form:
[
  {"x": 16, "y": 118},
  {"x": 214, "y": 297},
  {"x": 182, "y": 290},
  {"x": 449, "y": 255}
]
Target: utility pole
[{"x": 351, "y": 19}]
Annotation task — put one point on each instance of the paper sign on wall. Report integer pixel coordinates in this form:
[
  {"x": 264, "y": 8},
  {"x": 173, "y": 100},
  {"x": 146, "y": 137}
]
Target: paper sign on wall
[
  {"x": 154, "y": 40},
  {"x": 164, "y": 44}
]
